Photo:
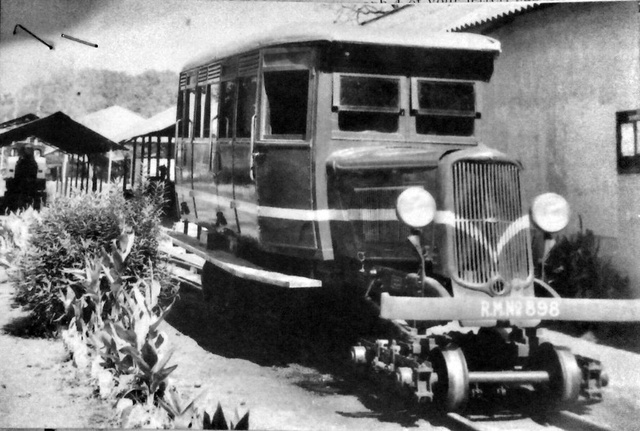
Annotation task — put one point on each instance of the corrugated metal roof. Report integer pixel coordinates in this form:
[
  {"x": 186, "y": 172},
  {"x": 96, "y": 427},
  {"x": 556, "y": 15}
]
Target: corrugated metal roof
[
  {"x": 488, "y": 12},
  {"x": 162, "y": 122},
  {"x": 450, "y": 17},
  {"x": 348, "y": 34},
  {"x": 59, "y": 130}
]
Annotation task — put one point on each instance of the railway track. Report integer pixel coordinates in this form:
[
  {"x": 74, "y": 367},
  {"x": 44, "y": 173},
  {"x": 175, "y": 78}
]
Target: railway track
[
  {"x": 563, "y": 420},
  {"x": 186, "y": 269}
]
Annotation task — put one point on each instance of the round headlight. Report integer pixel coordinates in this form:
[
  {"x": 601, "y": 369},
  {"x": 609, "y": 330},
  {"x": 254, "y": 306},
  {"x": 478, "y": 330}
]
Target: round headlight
[
  {"x": 550, "y": 212},
  {"x": 416, "y": 207}
]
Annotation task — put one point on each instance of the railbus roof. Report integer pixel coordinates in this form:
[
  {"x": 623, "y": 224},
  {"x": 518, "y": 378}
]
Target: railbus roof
[{"x": 347, "y": 34}]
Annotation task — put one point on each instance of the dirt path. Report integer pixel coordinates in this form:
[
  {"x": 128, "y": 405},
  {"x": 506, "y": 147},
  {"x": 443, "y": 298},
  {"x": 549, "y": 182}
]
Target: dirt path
[{"x": 38, "y": 386}]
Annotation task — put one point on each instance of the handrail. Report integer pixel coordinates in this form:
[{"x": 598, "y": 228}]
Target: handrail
[{"x": 251, "y": 146}]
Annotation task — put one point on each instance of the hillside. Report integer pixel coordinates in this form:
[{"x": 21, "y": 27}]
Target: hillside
[{"x": 80, "y": 92}]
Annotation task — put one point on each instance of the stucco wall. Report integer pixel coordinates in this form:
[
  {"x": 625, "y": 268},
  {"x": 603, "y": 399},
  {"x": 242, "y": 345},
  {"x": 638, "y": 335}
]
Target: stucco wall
[{"x": 563, "y": 73}]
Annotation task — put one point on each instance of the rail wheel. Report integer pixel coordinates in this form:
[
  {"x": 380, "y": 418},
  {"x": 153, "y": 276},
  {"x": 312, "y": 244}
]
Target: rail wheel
[
  {"x": 565, "y": 376},
  {"x": 215, "y": 283},
  {"x": 451, "y": 391}
]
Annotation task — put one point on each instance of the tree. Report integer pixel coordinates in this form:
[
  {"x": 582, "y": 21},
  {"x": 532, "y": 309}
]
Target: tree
[
  {"x": 80, "y": 92},
  {"x": 359, "y": 13}
]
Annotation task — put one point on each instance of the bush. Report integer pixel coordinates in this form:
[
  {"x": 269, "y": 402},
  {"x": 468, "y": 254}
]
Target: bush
[
  {"x": 79, "y": 228},
  {"x": 125, "y": 348},
  {"x": 575, "y": 269}
]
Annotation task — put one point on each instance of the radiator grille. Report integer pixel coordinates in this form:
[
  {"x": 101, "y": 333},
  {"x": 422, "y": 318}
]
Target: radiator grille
[
  {"x": 491, "y": 237},
  {"x": 376, "y": 217}
]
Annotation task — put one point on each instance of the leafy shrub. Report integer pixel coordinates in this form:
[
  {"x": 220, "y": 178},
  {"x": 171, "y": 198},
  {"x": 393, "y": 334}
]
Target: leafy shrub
[
  {"x": 77, "y": 228},
  {"x": 14, "y": 236},
  {"x": 118, "y": 326},
  {"x": 575, "y": 269}
]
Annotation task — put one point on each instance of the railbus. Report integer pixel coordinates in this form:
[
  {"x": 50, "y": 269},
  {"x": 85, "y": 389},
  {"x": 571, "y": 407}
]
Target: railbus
[{"x": 311, "y": 155}]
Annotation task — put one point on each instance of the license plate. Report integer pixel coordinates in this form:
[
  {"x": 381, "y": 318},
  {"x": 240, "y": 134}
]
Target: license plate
[{"x": 503, "y": 309}]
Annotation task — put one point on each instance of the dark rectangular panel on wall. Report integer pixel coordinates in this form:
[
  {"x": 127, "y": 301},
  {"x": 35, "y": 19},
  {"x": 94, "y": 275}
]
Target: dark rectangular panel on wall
[{"x": 628, "y": 145}]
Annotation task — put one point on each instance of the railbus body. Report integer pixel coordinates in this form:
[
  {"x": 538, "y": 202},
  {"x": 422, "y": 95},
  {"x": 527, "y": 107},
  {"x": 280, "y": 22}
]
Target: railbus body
[{"x": 345, "y": 154}]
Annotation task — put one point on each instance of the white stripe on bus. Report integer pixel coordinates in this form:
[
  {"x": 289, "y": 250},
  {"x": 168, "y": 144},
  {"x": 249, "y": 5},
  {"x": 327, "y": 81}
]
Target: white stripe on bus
[{"x": 362, "y": 214}]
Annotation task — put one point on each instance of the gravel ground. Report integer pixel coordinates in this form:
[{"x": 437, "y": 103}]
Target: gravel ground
[{"x": 39, "y": 386}]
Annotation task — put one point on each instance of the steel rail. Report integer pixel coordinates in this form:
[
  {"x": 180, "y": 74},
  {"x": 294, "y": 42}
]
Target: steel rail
[
  {"x": 571, "y": 421},
  {"x": 565, "y": 420},
  {"x": 464, "y": 423}
]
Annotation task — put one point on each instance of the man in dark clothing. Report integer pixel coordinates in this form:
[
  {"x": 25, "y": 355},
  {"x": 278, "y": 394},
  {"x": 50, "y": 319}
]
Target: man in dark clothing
[
  {"x": 23, "y": 190},
  {"x": 26, "y": 166}
]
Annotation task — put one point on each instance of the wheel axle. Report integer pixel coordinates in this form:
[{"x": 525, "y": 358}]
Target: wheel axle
[{"x": 508, "y": 377}]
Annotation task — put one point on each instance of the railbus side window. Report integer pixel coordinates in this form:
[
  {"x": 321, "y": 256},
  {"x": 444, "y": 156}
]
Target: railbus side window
[
  {"x": 180, "y": 115},
  {"x": 205, "y": 111},
  {"x": 184, "y": 113},
  {"x": 246, "y": 105},
  {"x": 285, "y": 103},
  {"x": 367, "y": 103},
  {"x": 226, "y": 114},
  {"x": 192, "y": 99},
  {"x": 198, "y": 111},
  {"x": 443, "y": 107},
  {"x": 211, "y": 127}
]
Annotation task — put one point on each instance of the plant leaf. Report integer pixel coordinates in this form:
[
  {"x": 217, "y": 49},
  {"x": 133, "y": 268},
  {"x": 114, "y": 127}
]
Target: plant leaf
[
  {"x": 243, "y": 424},
  {"x": 149, "y": 354},
  {"x": 218, "y": 422}
]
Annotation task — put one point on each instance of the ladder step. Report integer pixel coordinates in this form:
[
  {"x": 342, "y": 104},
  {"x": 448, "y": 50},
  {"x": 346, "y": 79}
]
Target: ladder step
[{"x": 186, "y": 276}]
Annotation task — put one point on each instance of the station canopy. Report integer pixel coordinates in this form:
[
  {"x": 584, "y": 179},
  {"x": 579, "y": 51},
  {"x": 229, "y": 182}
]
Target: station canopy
[
  {"x": 62, "y": 132},
  {"x": 161, "y": 124}
]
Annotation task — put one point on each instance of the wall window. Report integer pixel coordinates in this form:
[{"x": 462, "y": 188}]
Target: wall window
[
  {"x": 443, "y": 108},
  {"x": 284, "y": 104},
  {"x": 367, "y": 103},
  {"x": 628, "y": 145}
]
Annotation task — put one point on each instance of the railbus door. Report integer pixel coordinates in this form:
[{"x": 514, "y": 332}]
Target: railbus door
[
  {"x": 235, "y": 122},
  {"x": 282, "y": 155}
]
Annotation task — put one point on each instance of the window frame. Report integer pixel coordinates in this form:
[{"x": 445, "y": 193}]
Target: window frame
[
  {"x": 628, "y": 164},
  {"x": 309, "y": 65},
  {"x": 444, "y": 139},
  {"x": 402, "y": 134},
  {"x": 230, "y": 127},
  {"x": 337, "y": 106},
  {"x": 415, "y": 99}
]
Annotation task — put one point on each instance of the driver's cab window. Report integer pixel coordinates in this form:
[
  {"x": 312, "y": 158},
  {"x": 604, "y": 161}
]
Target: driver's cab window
[
  {"x": 443, "y": 107},
  {"x": 368, "y": 102}
]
